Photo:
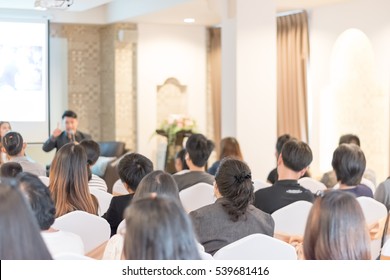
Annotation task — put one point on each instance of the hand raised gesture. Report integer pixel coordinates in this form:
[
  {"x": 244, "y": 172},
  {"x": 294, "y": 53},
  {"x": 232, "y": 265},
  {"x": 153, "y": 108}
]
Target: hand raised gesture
[{"x": 57, "y": 131}]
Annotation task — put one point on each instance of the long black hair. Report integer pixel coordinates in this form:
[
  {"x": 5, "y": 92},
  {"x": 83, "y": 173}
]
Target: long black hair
[
  {"x": 20, "y": 237},
  {"x": 157, "y": 228}
]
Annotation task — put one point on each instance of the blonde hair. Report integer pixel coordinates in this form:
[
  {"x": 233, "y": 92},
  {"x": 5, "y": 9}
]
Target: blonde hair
[{"x": 69, "y": 181}]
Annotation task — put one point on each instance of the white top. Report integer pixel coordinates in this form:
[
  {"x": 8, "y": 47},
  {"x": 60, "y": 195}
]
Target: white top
[
  {"x": 63, "y": 242},
  {"x": 97, "y": 183}
]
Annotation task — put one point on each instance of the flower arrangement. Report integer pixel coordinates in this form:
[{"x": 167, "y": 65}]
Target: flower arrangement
[{"x": 175, "y": 123}]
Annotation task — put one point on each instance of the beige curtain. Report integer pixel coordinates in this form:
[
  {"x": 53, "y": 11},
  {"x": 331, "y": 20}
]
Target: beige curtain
[
  {"x": 215, "y": 82},
  {"x": 293, "y": 55}
]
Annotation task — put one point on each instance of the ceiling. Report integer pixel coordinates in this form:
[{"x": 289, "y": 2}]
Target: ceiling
[
  {"x": 78, "y": 5},
  {"x": 205, "y": 12}
]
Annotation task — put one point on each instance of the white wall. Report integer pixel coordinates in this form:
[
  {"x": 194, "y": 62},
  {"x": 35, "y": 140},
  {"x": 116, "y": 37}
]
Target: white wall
[
  {"x": 249, "y": 81},
  {"x": 326, "y": 24},
  {"x": 256, "y": 84},
  {"x": 166, "y": 51}
]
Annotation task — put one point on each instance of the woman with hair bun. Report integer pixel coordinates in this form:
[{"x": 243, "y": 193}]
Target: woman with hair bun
[
  {"x": 4, "y": 128},
  {"x": 232, "y": 216}
]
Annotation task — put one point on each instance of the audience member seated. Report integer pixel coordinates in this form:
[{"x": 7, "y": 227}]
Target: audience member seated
[
  {"x": 198, "y": 151},
  {"x": 132, "y": 168},
  {"x": 157, "y": 228},
  {"x": 14, "y": 147},
  {"x": 4, "y": 128},
  {"x": 180, "y": 161},
  {"x": 159, "y": 182},
  {"x": 59, "y": 138},
  {"x": 293, "y": 162},
  {"x": 273, "y": 175},
  {"x": 93, "y": 152},
  {"x": 10, "y": 169},
  {"x": 69, "y": 181},
  {"x": 229, "y": 147},
  {"x": 330, "y": 179},
  {"x": 20, "y": 237},
  {"x": 382, "y": 193},
  {"x": 232, "y": 216},
  {"x": 42, "y": 205},
  {"x": 336, "y": 229},
  {"x": 349, "y": 164}
]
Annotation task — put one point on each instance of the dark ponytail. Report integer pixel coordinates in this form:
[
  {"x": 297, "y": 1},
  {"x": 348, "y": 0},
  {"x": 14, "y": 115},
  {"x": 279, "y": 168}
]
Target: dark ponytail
[{"x": 234, "y": 181}]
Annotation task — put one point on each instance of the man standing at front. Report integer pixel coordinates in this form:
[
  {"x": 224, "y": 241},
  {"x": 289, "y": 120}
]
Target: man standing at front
[
  {"x": 293, "y": 162},
  {"x": 59, "y": 138}
]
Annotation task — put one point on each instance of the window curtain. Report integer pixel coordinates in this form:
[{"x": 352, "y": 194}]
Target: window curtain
[
  {"x": 215, "y": 82},
  {"x": 292, "y": 62}
]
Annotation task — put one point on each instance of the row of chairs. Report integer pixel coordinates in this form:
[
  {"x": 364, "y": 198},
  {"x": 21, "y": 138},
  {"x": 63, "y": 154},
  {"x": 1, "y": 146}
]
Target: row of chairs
[
  {"x": 289, "y": 221},
  {"x": 205, "y": 193}
]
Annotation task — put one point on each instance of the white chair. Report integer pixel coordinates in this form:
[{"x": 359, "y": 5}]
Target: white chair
[
  {"x": 104, "y": 199},
  {"x": 311, "y": 184},
  {"x": 197, "y": 196},
  {"x": 119, "y": 188},
  {"x": 257, "y": 247},
  {"x": 92, "y": 229},
  {"x": 203, "y": 255},
  {"x": 121, "y": 227},
  {"x": 259, "y": 184},
  {"x": 291, "y": 219},
  {"x": 386, "y": 250},
  {"x": 71, "y": 256},
  {"x": 373, "y": 211},
  {"x": 44, "y": 180}
]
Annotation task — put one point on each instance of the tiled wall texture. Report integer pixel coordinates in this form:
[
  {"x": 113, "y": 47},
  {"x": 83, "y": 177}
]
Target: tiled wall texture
[{"x": 101, "y": 80}]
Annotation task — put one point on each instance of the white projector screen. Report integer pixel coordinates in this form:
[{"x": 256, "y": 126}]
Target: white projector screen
[{"x": 24, "y": 96}]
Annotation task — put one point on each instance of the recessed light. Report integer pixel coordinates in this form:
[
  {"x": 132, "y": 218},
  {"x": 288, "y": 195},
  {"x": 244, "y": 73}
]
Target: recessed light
[{"x": 189, "y": 20}]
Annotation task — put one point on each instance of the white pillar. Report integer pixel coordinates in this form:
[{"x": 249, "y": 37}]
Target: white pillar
[{"x": 249, "y": 81}]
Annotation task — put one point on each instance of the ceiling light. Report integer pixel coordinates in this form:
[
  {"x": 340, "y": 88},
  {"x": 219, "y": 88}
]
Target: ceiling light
[
  {"x": 52, "y": 4},
  {"x": 189, "y": 20}
]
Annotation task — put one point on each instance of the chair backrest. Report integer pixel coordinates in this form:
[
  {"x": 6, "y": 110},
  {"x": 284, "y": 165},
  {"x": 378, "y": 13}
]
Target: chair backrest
[
  {"x": 121, "y": 227},
  {"x": 71, "y": 256},
  {"x": 92, "y": 229},
  {"x": 386, "y": 249},
  {"x": 259, "y": 184},
  {"x": 373, "y": 211},
  {"x": 44, "y": 180},
  {"x": 257, "y": 247},
  {"x": 104, "y": 199},
  {"x": 197, "y": 196},
  {"x": 292, "y": 218},
  {"x": 112, "y": 148},
  {"x": 119, "y": 188},
  {"x": 311, "y": 184}
]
